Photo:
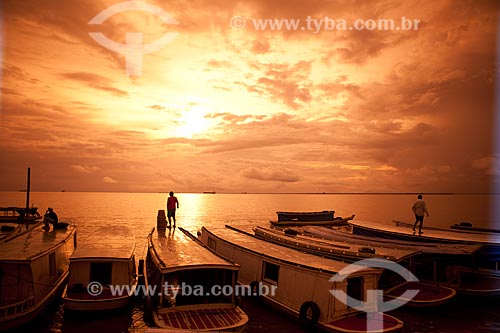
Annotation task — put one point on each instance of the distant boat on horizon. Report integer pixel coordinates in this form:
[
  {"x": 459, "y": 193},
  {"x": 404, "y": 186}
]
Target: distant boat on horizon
[{"x": 209, "y": 192}]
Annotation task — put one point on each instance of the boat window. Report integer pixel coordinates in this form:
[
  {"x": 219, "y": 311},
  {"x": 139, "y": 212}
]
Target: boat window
[
  {"x": 212, "y": 244},
  {"x": 355, "y": 289},
  {"x": 271, "y": 272},
  {"x": 101, "y": 272},
  {"x": 52, "y": 264}
]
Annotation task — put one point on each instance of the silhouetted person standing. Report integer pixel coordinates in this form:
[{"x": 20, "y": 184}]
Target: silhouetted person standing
[
  {"x": 419, "y": 208},
  {"x": 172, "y": 204}
]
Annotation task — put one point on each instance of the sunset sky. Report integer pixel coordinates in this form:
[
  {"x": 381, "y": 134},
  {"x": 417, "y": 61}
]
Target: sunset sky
[{"x": 232, "y": 110}]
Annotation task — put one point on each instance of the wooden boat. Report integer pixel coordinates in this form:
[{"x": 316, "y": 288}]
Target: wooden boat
[
  {"x": 299, "y": 283},
  {"x": 404, "y": 232},
  {"x": 106, "y": 259},
  {"x": 468, "y": 227},
  {"x": 463, "y": 227},
  {"x": 434, "y": 249},
  {"x": 337, "y": 221},
  {"x": 351, "y": 252},
  {"x": 485, "y": 262},
  {"x": 339, "y": 250},
  {"x": 453, "y": 264},
  {"x": 176, "y": 262},
  {"x": 18, "y": 214},
  {"x": 326, "y": 215},
  {"x": 34, "y": 267}
]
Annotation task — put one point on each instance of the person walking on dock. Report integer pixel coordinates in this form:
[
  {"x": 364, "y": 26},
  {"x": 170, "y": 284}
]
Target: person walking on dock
[
  {"x": 419, "y": 208},
  {"x": 172, "y": 204}
]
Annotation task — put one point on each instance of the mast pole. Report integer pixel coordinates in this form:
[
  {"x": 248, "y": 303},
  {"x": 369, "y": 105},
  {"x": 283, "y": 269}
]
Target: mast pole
[{"x": 26, "y": 214}]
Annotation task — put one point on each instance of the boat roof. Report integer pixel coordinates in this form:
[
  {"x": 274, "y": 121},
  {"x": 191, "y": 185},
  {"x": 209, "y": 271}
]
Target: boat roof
[
  {"x": 434, "y": 248},
  {"x": 280, "y": 253},
  {"x": 110, "y": 242},
  {"x": 340, "y": 247},
  {"x": 429, "y": 234},
  {"x": 33, "y": 243},
  {"x": 174, "y": 250}
]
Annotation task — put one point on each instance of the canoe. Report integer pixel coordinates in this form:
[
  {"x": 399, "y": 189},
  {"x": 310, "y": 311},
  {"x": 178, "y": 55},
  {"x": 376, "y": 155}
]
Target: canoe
[
  {"x": 326, "y": 215},
  {"x": 468, "y": 227},
  {"x": 337, "y": 221}
]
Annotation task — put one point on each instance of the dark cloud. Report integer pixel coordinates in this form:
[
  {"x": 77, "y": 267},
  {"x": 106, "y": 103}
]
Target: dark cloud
[{"x": 95, "y": 81}]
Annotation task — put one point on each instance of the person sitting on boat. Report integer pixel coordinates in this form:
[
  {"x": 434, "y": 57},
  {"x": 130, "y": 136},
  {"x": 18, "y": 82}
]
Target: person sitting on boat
[
  {"x": 50, "y": 217},
  {"x": 419, "y": 208}
]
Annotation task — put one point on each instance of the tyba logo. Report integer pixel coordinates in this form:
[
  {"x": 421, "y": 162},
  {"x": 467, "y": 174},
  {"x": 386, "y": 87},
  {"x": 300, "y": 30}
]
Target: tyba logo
[
  {"x": 375, "y": 305},
  {"x": 133, "y": 49}
]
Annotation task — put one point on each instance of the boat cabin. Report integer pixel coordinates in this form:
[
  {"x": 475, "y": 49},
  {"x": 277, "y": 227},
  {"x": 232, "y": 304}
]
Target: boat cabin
[
  {"x": 33, "y": 269},
  {"x": 191, "y": 282},
  {"x": 107, "y": 258}
]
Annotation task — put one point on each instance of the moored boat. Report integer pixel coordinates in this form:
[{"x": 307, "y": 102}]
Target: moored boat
[
  {"x": 326, "y": 215},
  {"x": 188, "y": 279},
  {"x": 340, "y": 250},
  {"x": 299, "y": 283},
  {"x": 19, "y": 214},
  {"x": 447, "y": 257},
  {"x": 352, "y": 252},
  {"x": 469, "y": 227},
  {"x": 33, "y": 270},
  {"x": 337, "y": 221},
  {"x": 403, "y": 231},
  {"x": 102, "y": 271}
]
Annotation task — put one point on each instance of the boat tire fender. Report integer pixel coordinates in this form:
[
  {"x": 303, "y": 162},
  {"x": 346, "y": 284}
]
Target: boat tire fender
[
  {"x": 309, "y": 313},
  {"x": 255, "y": 289}
]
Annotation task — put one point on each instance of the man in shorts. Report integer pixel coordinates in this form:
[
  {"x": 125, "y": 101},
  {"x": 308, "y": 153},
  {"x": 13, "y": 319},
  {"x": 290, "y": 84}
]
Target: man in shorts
[{"x": 172, "y": 204}]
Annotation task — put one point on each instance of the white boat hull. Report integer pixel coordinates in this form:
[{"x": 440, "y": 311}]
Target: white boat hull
[
  {"x": 98, "y": 304},
  {"x": 23, "y": 317}
]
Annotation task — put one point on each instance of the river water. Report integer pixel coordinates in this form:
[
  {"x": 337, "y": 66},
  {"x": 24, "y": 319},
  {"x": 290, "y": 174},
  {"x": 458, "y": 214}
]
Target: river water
[{"x": 138, "y": 211}]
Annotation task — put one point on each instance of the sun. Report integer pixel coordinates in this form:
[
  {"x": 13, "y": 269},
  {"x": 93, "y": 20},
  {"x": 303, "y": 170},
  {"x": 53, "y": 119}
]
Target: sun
[{"x": 193, "y": 122}]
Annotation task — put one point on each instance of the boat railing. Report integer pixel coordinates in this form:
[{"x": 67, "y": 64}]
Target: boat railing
[{"x": 15, "y": 308}]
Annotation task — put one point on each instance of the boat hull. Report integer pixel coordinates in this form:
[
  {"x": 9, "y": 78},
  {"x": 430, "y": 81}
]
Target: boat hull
[
  {"x": 84, "y": 302},
  {"x": 458, "y": 227},
  {"x": 326, "y": 215},
  {"x": 338, "y": 221},
  {"x": 362, "y": 323},
  {"x": 429, "y": 295},
  {"x": 19, "y": 319}
]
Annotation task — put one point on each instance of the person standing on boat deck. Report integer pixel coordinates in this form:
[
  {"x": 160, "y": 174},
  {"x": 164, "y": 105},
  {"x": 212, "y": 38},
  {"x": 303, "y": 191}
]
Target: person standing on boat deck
[
  {"x": 419, "y": 208},
  {"x": 172, "y": 204}
]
